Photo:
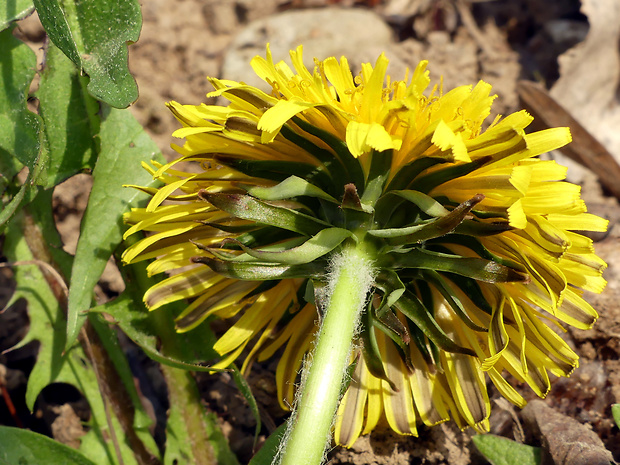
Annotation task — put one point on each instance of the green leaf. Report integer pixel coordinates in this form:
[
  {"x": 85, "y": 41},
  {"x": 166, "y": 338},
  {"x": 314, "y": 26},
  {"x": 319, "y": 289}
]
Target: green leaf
[
  {"x": 408, "y": 173},
  {"x": 476, "y": 268},
  {"x": 391, "y": 285},
  {"x": 14, "y": 11},
  {"x": 70, "y": 117},
  {"x": 370, "y": 349},
  {"x": 428, "y": 230},
  {"x": 269, "y": 450},
  {"x": 248, "y": 208},
  {"x": 292, "y": 186},
  {"x": 276, "y": 170},
  {"x": 353, "y": 172},
  {"x": 191, "y": 434},
  {"x": 41, "y": 209},
  {"x": 389, "y": 324},
  {"x": 429, "y": 181},
  {"x": 137, "y": 323},
  {"x": 124, "y": 145},
  {"x": 9, "y": 167},
  {"x": 394, "y": 233},
  {"x": 47, "y": 325},
  {"x": 503, "y": 451},
  {"x": 424, "y": 202},
  {"x": 253, "y": 272},
  {"x": 94, "y": 35},
  {"x": 472, "y": 290},
  {"x": 179, "y": 439},
  {"x": 46, "y": 320},
  {"x": 615, "y": 411},
  {"x": 478, "y": 228},
  {"x": 265, "y": 236},
  {"x": 23, "y": 447},
  {"x": 56, "y": 23},
  {"x": 414, "y": 310},
  {"x": 476, "y": 246},
  {"x": 19, "y": 127},
  {"x": 224, "y": 251},
  {"x": 315, "y": 247},
  {"x": 380, "y": 164},
  {"x": 246, "y": 391},
  {"x": 11, "y": 208}
]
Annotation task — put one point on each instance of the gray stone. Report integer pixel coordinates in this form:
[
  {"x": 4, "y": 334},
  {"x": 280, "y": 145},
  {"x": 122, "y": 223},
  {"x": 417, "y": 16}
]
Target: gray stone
[
  {"x": 564, "y": 440},
  {"x": 360, "y": 35}
]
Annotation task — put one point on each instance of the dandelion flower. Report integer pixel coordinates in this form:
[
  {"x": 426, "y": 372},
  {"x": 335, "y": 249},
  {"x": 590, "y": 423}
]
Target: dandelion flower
[{"x": 472, "y": 239}]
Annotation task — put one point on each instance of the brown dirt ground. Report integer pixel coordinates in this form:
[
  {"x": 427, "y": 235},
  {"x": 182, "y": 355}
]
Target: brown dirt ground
[{"x": 184, "y": 41}]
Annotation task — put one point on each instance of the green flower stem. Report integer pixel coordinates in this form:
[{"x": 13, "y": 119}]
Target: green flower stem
[{"x": 309, "y": 430}]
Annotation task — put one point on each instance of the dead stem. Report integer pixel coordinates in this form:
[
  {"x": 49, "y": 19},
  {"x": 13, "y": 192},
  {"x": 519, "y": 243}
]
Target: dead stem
[{"x": 109, "y": 382}]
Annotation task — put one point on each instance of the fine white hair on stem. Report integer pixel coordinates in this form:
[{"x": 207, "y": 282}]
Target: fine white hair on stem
[{"x": 364, "y": 273}]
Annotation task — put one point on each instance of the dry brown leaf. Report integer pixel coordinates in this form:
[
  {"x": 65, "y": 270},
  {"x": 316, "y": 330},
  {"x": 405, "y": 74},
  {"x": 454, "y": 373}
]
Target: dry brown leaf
[{"x": 590, "y": 75}]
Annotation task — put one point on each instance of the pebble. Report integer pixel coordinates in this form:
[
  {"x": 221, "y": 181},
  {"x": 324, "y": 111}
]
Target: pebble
[{"x": 360, "y": 35}]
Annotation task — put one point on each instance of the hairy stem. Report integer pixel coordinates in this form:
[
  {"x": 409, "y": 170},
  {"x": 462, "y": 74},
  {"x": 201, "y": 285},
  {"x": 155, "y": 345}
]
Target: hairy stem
[{"x": 309, "y": 429}]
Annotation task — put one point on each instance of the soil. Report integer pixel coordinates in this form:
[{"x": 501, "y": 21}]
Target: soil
[{"x": 184, "y": 41}]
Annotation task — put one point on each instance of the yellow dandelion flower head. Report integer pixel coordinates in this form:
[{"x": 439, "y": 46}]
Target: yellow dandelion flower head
[{"x": 473, "y": 237}]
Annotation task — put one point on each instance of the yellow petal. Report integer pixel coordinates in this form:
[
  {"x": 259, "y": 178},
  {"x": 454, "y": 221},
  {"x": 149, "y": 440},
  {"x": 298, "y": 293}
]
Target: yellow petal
[
  {"x": 467, "y": 386},
  {"x": 579, "y": 222},
  {"x": 374, "y": 404},
  {"x": 350, "y": 415},
  {"x": 163, "y": 194},
  {"x": 268, "y": 308},
  {"x": 547, "y": 140},
  {"x": 446, "y": 139},
  {"x": 339, "y": 74},
  {"x": 505, "y": 389},
  {"x": 516, "y": 215},
  {"x": 576, "y": 311},
  {"x": 362, "y": 137},
  {"x": 273, "y": 119},
  {"x": 372, "y": 99},
  {"x": 181, "y": 286},
  {"x": 398, "y": 404},
  {"x": 497, "y": 337},
  {"x": 427, "y": 392}
]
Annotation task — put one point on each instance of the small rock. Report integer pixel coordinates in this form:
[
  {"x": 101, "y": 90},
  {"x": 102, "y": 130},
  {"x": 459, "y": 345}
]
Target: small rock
[
  {"x": 360, "y": 35},
  {"x": 564, "y": 440},
  {"x": 221, "y": 16}
]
